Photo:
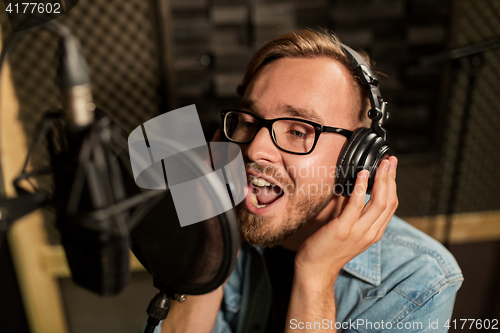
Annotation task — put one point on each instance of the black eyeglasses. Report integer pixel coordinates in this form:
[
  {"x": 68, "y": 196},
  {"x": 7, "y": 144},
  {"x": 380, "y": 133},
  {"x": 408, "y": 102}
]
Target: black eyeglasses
[{"x": 292, "y": 135}]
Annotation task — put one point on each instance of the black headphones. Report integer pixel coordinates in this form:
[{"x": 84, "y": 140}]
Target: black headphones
[{"x": 366, "y": 147}]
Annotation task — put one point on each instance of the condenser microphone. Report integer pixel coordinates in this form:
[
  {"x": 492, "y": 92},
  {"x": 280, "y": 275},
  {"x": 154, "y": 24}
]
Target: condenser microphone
[
  {"x": 88, "y": 186},
  {"x": 87, "y": 179},
  {"x": 75, "y": 85}
]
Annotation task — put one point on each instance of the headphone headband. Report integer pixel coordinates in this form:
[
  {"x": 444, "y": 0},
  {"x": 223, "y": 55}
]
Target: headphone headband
[
  {"x": 377, "y": 112},
  {"x": 367, "y": 147}
]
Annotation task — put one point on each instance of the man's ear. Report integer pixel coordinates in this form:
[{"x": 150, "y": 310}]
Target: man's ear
[{"x": 218, "y": 137}]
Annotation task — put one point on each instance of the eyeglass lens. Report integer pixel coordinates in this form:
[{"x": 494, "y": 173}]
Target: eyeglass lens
[{"x": 291, "y": 135}]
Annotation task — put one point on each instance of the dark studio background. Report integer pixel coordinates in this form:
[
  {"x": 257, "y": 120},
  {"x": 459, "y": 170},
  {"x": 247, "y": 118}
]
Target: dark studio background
[{"x": 147, "y": 57}]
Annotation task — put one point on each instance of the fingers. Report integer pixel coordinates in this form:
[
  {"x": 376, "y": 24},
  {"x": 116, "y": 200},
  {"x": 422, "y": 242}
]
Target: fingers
[
  {"x": 378, "y": 201},
  {"x": 385, "y": 203},
  {"x": 372, "y": 218},
  {"x": 392, "y": 198}
]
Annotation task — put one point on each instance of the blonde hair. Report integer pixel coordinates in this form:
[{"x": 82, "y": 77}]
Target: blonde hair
[{"x": 308, "y": 44}]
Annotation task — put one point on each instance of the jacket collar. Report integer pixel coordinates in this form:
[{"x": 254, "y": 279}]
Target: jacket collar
[{"x": 367, "y": 265}]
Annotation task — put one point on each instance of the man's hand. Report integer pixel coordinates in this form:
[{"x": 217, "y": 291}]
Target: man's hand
[
  {"x": 322, "y": 256},
  {"x": 357, "y": 228}
]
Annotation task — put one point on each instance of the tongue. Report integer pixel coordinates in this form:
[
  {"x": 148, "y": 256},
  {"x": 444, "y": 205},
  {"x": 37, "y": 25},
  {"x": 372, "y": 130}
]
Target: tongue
[{"x": 268, "y": 194}]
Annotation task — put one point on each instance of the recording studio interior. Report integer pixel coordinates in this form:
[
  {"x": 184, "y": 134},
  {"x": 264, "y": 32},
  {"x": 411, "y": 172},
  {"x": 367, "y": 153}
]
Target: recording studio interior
[{"x": 438, "y": 66}]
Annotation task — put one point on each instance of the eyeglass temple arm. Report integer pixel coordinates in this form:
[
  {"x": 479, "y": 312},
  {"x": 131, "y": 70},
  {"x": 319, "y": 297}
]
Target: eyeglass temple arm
[{"x": 340, "y": 131}]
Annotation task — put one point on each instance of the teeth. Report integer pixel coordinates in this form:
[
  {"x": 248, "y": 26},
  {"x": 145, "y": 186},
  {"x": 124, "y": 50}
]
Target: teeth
[
  {"x": 257, "y": 181},
  {"x": 255, "y": 202},
  {"x": 260, "y": 181}
]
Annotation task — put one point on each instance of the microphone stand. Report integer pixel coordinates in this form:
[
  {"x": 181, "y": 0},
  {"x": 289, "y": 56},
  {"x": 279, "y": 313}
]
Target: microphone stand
[
  {"x": 160, "y": 306},
  {"x": 157, "y": 310},
  {"x": 13, "y": 209}
]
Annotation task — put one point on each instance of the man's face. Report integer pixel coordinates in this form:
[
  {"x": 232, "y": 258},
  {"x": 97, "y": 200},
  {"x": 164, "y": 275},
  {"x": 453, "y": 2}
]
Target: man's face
[{"x": 319, "y": 89}]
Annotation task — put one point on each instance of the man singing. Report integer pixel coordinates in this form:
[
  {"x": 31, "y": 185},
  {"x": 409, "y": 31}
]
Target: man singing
[{"x": 314, "y": 260}]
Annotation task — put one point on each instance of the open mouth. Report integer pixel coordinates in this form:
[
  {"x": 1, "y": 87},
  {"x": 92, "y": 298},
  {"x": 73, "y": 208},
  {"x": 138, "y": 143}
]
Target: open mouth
[{"x": 263, "y": 192}]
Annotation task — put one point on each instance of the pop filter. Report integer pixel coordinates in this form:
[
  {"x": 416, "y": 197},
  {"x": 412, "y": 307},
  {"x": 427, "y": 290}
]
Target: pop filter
[
  {"x": 184, "y": 252},
  {"x": 192, "y": 259}
]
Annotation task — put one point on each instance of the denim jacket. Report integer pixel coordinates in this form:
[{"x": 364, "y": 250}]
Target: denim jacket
[{"x": 406, "y": 282}]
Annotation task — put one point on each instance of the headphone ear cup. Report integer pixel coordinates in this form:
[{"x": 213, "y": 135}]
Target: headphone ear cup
[
  {"x": 345, "y": 169},
  {"x": 378, "y": 151},
  {"x": 363, "y": 151}
]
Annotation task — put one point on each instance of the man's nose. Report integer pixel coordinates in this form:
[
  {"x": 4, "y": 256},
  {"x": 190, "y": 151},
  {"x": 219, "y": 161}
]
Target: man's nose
[{"x": 262, "y": 148}]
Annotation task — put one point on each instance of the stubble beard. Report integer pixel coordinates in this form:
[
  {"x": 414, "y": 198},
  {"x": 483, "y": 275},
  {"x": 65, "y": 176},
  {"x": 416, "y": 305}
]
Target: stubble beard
[{"x": 259, "y": 230}]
